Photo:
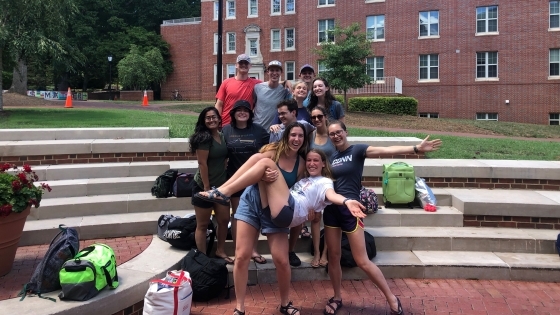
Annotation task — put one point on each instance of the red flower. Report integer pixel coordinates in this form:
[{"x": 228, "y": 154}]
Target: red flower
[
  {"x": 4, "y": 167},
  {"x": 5, "y": 210},
  {"x": 16, "y": 185},
  {"x": 46, "y": 186},
  {"x": 27, "y": 168},
  {"x": 22, "y": 177}
]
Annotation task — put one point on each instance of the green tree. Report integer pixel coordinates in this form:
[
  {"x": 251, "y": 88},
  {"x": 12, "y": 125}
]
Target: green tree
[
  {"x": 345, "y": 59},
  {"x": 139, "y": 71}
]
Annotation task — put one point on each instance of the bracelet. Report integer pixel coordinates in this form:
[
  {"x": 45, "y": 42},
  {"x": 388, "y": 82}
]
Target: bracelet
[
  {"x": 415, "y": 149},
  {"x": 344, "y": 202}
]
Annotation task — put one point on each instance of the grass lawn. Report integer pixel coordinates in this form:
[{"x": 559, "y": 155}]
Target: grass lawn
[{"x": 181, "y": 126}]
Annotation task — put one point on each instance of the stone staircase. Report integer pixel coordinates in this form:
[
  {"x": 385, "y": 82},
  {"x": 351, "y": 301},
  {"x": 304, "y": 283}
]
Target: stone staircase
[{"x": 471, "y": 236}]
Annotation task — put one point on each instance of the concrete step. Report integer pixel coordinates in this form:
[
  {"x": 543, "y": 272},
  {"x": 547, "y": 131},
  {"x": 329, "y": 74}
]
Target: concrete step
[
  {"x": 98, "y": 186},
  {"x": 83, "y": 133}
]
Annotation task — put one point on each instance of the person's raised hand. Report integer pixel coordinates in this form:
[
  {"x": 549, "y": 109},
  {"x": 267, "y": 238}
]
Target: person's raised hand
[{"x": 429, "y": 145}]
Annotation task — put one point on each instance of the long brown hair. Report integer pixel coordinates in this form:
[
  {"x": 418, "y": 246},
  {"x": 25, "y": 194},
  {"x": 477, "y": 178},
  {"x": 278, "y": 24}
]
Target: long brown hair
[
  {"x": 282, "y": 147},
  {"x": 326, "y": 171}
]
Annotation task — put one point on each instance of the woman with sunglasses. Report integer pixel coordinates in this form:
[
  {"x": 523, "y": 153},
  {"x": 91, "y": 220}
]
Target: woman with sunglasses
[
  {"x": 321, "y": 96},
  {"x": 347, "y": 164},
  {"x": 209, "y": 145}
]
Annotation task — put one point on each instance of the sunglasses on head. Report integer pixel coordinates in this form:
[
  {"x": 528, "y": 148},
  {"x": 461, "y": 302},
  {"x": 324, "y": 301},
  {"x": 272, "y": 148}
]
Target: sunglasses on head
[{"x": 319, "y": 117}]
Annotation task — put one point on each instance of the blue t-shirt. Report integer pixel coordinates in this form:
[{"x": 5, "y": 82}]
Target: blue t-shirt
[{"x": 347, "y": 168}]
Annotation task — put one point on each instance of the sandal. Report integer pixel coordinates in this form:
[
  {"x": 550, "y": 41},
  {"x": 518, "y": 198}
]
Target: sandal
[
  {"x": 212, "y": 197},
  {"x": 315, "y": 263},
  {"x": 399, "y": 310},
  {"x": 228, "y": 260},
  {"x": 238, "y": 312},
  {"x": 331, "y": 301},
  {"x": 289, "y": 309},
  {"x": 259, "y": 259},
  {"x": 305, "y": 232},
  {"x": 323, "y": 263}
]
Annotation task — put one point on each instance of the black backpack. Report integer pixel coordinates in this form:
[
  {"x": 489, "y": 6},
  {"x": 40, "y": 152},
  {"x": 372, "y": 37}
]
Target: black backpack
[
  {"x": 558, "y": 244},
  {"x": 163, "y": 187},
  {"x": 163, "y": 223},
  {"x": 180, "y": 234},
  {"x": 183, "y": 185},
  {"x": 209, "y": 275},
  {"x": 346, "y": 259},
  {"x": 64, "y": 246}
]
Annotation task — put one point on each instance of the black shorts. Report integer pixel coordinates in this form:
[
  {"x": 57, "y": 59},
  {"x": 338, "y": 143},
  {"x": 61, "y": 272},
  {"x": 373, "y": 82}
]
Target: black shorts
[
  {"x": 197, "y": 202},
  {"x": 336, "y": 216}
]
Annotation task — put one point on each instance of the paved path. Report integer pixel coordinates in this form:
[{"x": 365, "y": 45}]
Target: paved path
[{"x": 425, "y": 297}]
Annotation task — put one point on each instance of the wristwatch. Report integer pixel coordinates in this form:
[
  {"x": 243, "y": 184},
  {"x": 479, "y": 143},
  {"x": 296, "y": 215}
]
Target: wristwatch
[{"x": 344, "y": 202}]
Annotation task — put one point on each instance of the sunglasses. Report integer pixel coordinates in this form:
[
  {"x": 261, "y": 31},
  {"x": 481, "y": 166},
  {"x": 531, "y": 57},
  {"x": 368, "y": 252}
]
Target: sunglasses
[{"x": 318, "y": 117}]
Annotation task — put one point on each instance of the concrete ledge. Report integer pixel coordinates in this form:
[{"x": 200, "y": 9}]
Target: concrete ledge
[{"x": 83, "y": 133}]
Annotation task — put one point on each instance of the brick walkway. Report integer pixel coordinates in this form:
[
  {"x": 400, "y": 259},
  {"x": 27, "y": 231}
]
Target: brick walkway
[
  {"x": 420, "y": 297},
  {"x": 28, "y": 257}
]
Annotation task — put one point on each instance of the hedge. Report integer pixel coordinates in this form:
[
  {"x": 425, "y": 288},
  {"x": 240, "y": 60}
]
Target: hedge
[{"x": 386, "y": 105}]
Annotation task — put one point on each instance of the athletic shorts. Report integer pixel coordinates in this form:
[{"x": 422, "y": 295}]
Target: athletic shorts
[
  {"x": 251, "y": 212},
  {"x": 336, "y": 216}
]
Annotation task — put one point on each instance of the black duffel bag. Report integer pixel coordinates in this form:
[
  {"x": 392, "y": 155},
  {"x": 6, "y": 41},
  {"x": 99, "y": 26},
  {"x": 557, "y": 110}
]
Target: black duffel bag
[{"x": 209, "y": 275}]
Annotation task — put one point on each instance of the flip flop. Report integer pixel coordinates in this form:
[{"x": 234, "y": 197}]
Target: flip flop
[
  {"x": 259, "y": 259},
  {"x": 315, "y": 264},
  {"x": 212, "y": 194},
  {"x": 323, "y": 263},
  {"x": 228, "y": 260}
]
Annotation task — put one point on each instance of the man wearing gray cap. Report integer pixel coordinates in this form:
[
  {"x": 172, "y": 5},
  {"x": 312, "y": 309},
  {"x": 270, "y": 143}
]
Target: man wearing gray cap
[
  {"x": 239, "y": 87},
  {"x": 269, "y": 94}
]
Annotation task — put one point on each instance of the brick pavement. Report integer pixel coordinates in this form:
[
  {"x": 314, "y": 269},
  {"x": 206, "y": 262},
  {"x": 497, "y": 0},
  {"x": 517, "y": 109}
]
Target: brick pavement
[
  {"x": 28, "y": 257},
  {"x": 418, "y": 296}
]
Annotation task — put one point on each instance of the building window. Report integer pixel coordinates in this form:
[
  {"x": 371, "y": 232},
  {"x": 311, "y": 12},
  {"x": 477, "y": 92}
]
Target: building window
[
  {"x": 429, "y": 115},
  {"x": 230, "y": 70},
  {"x": 290, "y": 70},
  {"x": 216, "y": 43},
  {"x": 275, "y": 40},
  {"x": 321, "y": 67},
  {"x": 230, "y": 7},
  {"x": 429, "y": 23},
  {"x": 216, "y": 9},
  {"x": 215, "y": 74},
  {"x": 375, "y": 67},
  {"x": 554, "y": 119},
  {"x": 290, "y": 39},
  {"x": 231, "y": 42},
  {"x": 253, "y": 50},
  {"x": 487, "y": 116},
  {"x": 429, "y": 67},
  {"x": 290, "y": 6},
  {"x": 554, "y": 14},
  {"x": 487, "y": 19},
  {"x": 275, "y": 7},
  {"x": 326, "y": 2},
  {"x": 325, "y": 31},
  {"x": 375, "y": 27},
  {"x": 253, "y": 8},
  {"x": 555, "y": 62},
  {"x": 486, "y": 64}
]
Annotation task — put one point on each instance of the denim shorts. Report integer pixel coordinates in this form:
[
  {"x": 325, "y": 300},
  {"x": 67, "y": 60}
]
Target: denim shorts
[{"x": 251, "y": 212}]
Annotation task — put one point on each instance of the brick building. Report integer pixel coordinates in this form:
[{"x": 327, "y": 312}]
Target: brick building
[{"x": 477, "y": 59}]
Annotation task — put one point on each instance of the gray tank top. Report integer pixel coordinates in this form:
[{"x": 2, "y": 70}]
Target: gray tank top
[{"x": 328, "y": 147}]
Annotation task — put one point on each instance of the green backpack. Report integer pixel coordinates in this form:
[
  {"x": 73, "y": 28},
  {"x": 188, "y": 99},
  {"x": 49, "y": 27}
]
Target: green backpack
[
  {"x": 91, "y": 270},
  {"x": 398, "y": 183}
]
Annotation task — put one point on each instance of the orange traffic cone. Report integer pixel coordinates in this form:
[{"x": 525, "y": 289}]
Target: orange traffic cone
[
  {"x": 145, "y": 100},
  {"x": 68, "y": 99}
]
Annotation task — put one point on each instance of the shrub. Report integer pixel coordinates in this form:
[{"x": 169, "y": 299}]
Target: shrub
[
  {"x": 339, "y": 98},
  {"x": 386, "y": 105}
]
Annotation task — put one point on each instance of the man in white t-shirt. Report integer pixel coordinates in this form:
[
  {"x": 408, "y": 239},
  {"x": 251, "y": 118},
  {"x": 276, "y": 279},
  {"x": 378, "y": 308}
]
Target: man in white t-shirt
[{"x": 268, "y": 95}]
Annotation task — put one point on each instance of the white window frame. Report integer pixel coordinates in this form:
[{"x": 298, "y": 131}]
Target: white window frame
[
  {"x": 429, "y": 115},
  {"x": 554, "y": 60},
  {"x": 273, "y": 6},
  {"x": 215, "y": 74},
  {"x": 326, "y": 3},
  {"x": 216, "y": 9},
  {"x": 250, "y": 5},
  {"x": 486, "y": 66},
  {"x": 486, "y": 19},
  {"x": 230, "y": 9},
  {"x": 374, "y": 68},
  {"x": 286, "y": 38},
  {"x": 321, "y": 67},
  {"x": 554, "y": 119},
  {"x": 290, "y": 70},
  {"x": 326, "y": 30},
  {"x": 275, "y": 43},
  {"x": 432, "y": 16},
  {"x": 230, "y": 70},
  {"x": 486, "y": 116},
  {"x": 555, "y": 14},
  {"x": 231, "y": 40},
  {"x": 255, "y": 47},
  {"x": 428, "y": 68},
  {"x": 371, "y": 32},
  {"x": 293, "y": 2}
]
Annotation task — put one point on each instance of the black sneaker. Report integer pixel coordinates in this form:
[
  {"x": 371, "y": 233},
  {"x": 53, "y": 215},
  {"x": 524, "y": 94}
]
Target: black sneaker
[{"x": 294, "y": 259}]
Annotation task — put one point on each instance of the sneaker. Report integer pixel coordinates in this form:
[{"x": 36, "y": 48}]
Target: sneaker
[{"x": 294, "y": 259}]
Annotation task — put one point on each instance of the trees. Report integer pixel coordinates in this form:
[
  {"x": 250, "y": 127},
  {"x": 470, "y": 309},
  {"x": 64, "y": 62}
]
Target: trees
[
  {"x": 138, "y": 71},
  {"x": 345, "y": 59}
]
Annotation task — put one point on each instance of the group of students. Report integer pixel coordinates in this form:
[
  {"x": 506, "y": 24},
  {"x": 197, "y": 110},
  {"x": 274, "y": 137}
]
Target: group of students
[{"x": 273, "y": 187}]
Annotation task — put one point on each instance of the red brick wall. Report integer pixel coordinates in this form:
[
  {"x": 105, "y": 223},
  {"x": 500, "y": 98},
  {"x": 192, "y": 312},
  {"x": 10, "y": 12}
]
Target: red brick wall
[
  {"x": 135, "y": 95},
  {"x": 523, "y": 47}
]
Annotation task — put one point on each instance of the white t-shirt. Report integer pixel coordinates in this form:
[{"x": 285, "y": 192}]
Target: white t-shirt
[{"x": 309, "y": 193}]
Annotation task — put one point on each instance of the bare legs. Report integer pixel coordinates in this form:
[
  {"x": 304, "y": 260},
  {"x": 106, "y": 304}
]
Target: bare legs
[
  {"x": 318, "y": 257},
  {"x": 202, "y": 220},
  {"x": 234, "y": 205},
  {"x": 359, "y": 253}
]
